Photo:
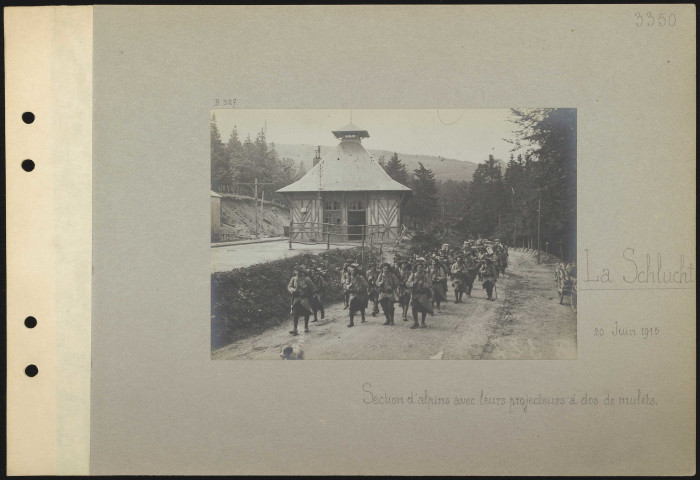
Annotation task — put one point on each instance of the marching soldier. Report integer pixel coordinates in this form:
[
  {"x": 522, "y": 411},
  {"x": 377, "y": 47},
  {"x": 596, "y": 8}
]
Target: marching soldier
[
  {"x": 459, "y": 273},
  {"x": 488, "y": 272},
  {"x": 481, "y": 260},
  {"x": 445, "y": 263},
  {"x": 302, "y": 289},
  {"x": 344, "y": 279},
  {"x": 404, "y": 293},
  {"x": 503, "y": 256},
  {"x": 438, "y": 277},
  {"x": 388, "y": 285},
  {"x": 357, "y": 289},
  {"x": 472, "y": 271},
  {"x": 420, "y": 284},
  {"x": 372, "y": 275},
  {"x": 317, "y": 300}
]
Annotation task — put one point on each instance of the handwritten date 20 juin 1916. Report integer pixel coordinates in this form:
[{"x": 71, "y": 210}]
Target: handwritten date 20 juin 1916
[{"x": 620, "y": 330}]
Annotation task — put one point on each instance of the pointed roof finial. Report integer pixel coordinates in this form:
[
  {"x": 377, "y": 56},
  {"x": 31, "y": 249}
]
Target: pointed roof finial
[{"x": 350, "y": 131}]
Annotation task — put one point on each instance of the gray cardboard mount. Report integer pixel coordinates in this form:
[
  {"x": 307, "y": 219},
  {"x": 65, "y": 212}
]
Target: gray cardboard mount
[{"x": 160, "y": 405}]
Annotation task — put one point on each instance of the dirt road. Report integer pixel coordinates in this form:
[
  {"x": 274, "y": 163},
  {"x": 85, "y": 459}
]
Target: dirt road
[{"x": 525, "y": 322}]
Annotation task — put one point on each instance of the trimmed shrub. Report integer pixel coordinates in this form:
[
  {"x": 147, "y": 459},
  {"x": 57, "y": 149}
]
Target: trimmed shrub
[{"x": 249, "y": 300}]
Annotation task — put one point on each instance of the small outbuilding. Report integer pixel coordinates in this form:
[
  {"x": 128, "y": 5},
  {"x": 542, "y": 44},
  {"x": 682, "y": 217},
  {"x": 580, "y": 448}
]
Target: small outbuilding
[{"x": 347, "y": 194}]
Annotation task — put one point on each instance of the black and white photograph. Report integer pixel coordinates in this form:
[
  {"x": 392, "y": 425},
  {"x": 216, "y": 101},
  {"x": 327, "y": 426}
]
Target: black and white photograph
[{"x": 393, "y": 234}]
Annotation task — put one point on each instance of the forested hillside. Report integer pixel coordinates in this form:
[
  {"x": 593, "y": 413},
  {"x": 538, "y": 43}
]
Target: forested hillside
[{"x": 531, "y": 196}]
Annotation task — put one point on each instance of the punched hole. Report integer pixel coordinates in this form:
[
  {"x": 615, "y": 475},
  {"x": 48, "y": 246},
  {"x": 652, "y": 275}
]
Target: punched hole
[
  {"x": 27, "y": 165},
  {"x": 31, "y": 370},
  {"x": 28, "y": 117},
  {"x": 30, "y": 322}
]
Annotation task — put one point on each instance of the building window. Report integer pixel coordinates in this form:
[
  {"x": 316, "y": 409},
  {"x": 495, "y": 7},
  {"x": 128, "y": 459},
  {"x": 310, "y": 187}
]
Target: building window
[
  {"x": 357, "y": 206},
  {"x": 332, "y": 206},
  {"x": 332, "y": 217}
]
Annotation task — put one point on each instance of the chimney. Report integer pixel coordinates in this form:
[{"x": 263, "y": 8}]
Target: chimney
[{"x": 317, "y": 158}]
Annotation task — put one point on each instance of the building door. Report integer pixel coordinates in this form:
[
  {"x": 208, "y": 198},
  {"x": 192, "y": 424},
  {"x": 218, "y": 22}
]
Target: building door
[
  {"x": 357, "y": 219},
  {"x": 332, "y": 219}
]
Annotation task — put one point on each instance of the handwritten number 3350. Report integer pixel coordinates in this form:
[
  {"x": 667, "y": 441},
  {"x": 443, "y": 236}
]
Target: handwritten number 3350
[{"x": 650, "y": 20}]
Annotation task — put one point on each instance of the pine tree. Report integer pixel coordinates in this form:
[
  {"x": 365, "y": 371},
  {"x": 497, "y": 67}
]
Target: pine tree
[
  {"x": 486, "y": 201},
  {"x": 221, "y": 172},
  {"x": 397, "y": 170},
  {"x": 454, "y": 196},
  {"x": 234, "y": 150},
  {"x": 423, "y": 205}
]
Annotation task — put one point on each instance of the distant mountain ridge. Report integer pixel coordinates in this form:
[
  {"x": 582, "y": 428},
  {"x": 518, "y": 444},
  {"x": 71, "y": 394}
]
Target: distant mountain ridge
[{"x": 443, "y": 168}]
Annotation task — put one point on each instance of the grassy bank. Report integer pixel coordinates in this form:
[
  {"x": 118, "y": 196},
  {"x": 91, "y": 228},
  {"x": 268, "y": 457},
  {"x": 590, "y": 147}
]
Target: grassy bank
[{"x": 249, "y": 300}]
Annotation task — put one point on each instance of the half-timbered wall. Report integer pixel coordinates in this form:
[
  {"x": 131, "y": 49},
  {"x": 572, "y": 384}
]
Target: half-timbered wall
[
  {"x": 306, "y": 212},
  {"x": 384, "y": 209}
]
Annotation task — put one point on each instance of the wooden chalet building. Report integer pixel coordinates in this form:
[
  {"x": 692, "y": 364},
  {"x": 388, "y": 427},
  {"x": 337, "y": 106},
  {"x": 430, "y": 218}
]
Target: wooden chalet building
[{"x": 346, "y": 194}]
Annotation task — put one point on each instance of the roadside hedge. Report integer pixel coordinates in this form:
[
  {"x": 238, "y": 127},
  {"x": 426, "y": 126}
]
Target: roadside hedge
[{"x": 249, "y": 300}]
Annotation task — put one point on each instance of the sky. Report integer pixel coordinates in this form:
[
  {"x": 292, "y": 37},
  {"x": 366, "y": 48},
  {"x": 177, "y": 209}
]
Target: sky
[{"x": 470, "y": 135}]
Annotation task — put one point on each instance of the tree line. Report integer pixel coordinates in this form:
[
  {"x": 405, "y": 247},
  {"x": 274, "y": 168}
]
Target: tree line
[
  {"x": 537, "y": 188},
  {"x": 236, "y": 164},
  {"x": 539, "y": 183}
]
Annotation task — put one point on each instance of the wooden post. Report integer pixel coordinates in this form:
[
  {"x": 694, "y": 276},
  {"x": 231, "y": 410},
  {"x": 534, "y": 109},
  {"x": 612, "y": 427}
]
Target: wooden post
[
  {"x": 363, "y": 247},
  {"x": 255, "y": 204},
  {"x": 328, "y": 237},
  {"x": 371, "y": 253},
  {"x": 291, "y": 224},
  {"x": 539, "y": 207},
  {"x": 262, "y": 210},
  {"x": 344, "y": 219}
]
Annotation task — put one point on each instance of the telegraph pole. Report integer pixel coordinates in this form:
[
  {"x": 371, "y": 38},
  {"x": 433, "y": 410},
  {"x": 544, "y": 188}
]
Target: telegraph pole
[
  {"x": 256, "y": 210},
  {"x": 539, "y": 208},
  {"x": 262, "y": 203}
]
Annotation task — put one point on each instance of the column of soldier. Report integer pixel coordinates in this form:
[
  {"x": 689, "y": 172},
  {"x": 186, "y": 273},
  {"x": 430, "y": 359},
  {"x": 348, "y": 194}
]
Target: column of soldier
[{"x": 417, "y": 282}]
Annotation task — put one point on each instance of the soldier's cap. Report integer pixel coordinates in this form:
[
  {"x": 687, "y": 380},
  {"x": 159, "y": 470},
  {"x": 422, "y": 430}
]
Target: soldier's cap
[
  {"x": 299, "y": 267},
  {"x": 355, "y": 265}
]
